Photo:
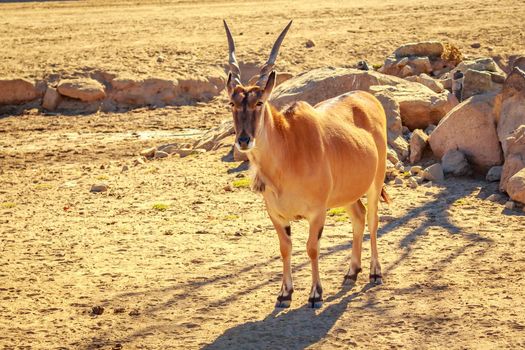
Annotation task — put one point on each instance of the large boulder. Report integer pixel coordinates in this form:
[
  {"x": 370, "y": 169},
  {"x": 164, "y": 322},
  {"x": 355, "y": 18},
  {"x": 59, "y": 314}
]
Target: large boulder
[
  {"x": 431, "y": 83},
  {"x": 419, "y": 106},
  {"x": 454, "y": 162},
  {"x": 418, "y": 143},
  {"x": 17, "y": 91},
  {"x": 152, "y": 91},
  {"x": 126, "y": 92},
  {"x": 84, "y": 89},
  {"x": 470, "y": 128},
  {"x": 515, "y": 156},
  {"x": 425, "y": 48},
  {"x": 323, "y": 83},
  {"x": 516, "y": 186},
  {"x": 477, "y": 83},
  {"x": 512, "y": 113},
  {"x": 394, "y": 125}
]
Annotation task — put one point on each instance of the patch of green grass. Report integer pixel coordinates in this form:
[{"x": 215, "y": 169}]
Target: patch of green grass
[
  {"x": 102, "y": 177},
  {"x": 342, "y": 218},
  {"x": 461, "y": 202},
  {"x": 336, "y": 212},
  {"x": 43, "y": 186},
  {"x": 230, "y": 217},
  {"x": 241, "y": 183},
  {"x": 407, "y": 174},
  {"x": 152, "y": 170},
  {"x": 160, "y": 206},
  {"x": 376, "y": 66},
  {"x": 7, "y": 205}
]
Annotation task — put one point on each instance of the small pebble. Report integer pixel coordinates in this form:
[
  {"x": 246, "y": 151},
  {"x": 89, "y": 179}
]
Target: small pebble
[{"x": 101, "y": 187}]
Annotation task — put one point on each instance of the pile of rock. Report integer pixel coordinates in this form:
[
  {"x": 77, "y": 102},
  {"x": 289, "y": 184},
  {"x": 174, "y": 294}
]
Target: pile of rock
[
  {"x": 106, "y": 92},
  {"x": 429, "y": 57}
]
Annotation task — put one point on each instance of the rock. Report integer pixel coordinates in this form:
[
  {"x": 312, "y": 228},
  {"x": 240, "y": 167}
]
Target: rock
[
  {"x": 477, "y": 83},
  {"x": 363, "y": 65},
  {"x": 418, "y": 143},
  {"x": 426, "y": 48},
  {"x": 160, "y": 154},
  {"x": 184, "y": 152},
  {"x": 101, "y": 187},
  {"x": 430, "y": 129},
  {"x": 516, "y": 186},
  {"x": 434, "y": 173},
  {"x": 475, "y": 45},
  {"x": 309, "y": 43},
  {"x": 239, "y": 156},
  {"x": 416, "y": 169},
  {"x": 412, "y": 183},
  {"x": 148, "y": 152},
  {"x": 406, "y": 71},
  {"x": 139, "y": 161},
  {"x": 494, "y": 174},
  {"x": 97, "y": 310},
  {"x": 158, "y": 92},
  {"x": 515, "y": 158},
  {"x": 463, "y": 128},
  {"x": 400, "y": 146},
  {"x": 161, "y": 59},
  {"x": 427, "y": 57},
  {"x": 419, "y": 179},
  {"x": 428, "y": 184},
  {"x": 398, "y": 181},
  {"x": 419, "y": 106},
  {"x": 321, "y": 84},
  {"x": 280, "y": 78},
  {"x": 17, "y": 91},
  {"x": 431, "y": 83},
  {"x": 454, "y": 162},
  {"x": 509, "y": 205},
  {"x": 512, "y": 113},
  {"x": 124, "y": 169},
  {"x": 400, "y": 166},
  {"x": 169, "y": 148},
  {"x": 519, "y": 62},
  {"x": 51, "y": 99},
  {"x": 394, "y": 125},
  {"x": 84, "y": 89},
  {"x": 495, "y": 197},
  {"x": 391, "y": 156},
  {"x": 480, "y": 64}
]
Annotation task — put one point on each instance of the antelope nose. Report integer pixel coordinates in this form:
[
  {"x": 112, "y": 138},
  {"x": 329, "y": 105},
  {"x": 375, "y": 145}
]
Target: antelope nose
[{"x": 244, "y": 139}]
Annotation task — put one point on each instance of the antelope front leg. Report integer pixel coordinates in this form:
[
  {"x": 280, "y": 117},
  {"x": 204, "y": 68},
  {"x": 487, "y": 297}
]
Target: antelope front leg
[
  {"x": 284, "y": 298},
  {"x": 312, "y": 247}
]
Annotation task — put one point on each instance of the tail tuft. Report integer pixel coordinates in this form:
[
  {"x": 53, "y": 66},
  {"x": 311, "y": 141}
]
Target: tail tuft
[{"x": 385, "y": 196}]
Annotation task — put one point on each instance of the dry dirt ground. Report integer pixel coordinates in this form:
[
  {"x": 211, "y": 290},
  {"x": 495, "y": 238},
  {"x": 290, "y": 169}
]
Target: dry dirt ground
[{"x": 174, "y": 259}]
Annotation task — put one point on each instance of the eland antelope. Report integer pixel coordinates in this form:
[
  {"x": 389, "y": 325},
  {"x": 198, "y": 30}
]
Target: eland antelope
[{"x": 308, "y": 159}]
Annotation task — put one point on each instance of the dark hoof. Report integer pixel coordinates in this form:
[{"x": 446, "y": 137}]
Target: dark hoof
[
  {"x": 376, "y": 279},
  {"x": 351, "y": 279},
  {"x": 315, "y": 303},
  {"x": 284, "y": 302}
]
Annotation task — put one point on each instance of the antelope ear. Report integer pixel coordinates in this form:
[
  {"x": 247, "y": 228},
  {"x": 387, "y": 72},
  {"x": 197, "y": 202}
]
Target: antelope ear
[
  {"x": 270, "y": 84},
  {"x": 230, "y": 85}
]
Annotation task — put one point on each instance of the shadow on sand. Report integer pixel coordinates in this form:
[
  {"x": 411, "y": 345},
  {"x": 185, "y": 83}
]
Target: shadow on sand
[{"x": 299, "y": 327}]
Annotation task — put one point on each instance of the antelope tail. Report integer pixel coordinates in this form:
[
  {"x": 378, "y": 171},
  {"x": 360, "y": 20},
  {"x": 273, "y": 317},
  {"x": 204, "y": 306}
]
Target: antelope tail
[{"x": 385, "y": 196}]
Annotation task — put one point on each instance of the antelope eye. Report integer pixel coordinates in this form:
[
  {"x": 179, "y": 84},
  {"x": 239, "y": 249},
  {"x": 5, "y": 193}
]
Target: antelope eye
[
  {"x": 259, "y": 103},
  {"x": 231, "y": 104}
]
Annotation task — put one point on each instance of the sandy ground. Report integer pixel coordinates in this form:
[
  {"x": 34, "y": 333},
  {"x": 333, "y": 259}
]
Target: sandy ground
[{"x": 203, "y": 269}]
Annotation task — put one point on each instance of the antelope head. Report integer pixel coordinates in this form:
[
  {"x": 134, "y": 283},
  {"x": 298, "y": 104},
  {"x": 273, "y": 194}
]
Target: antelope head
[{"x": 247, "y": 102}]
